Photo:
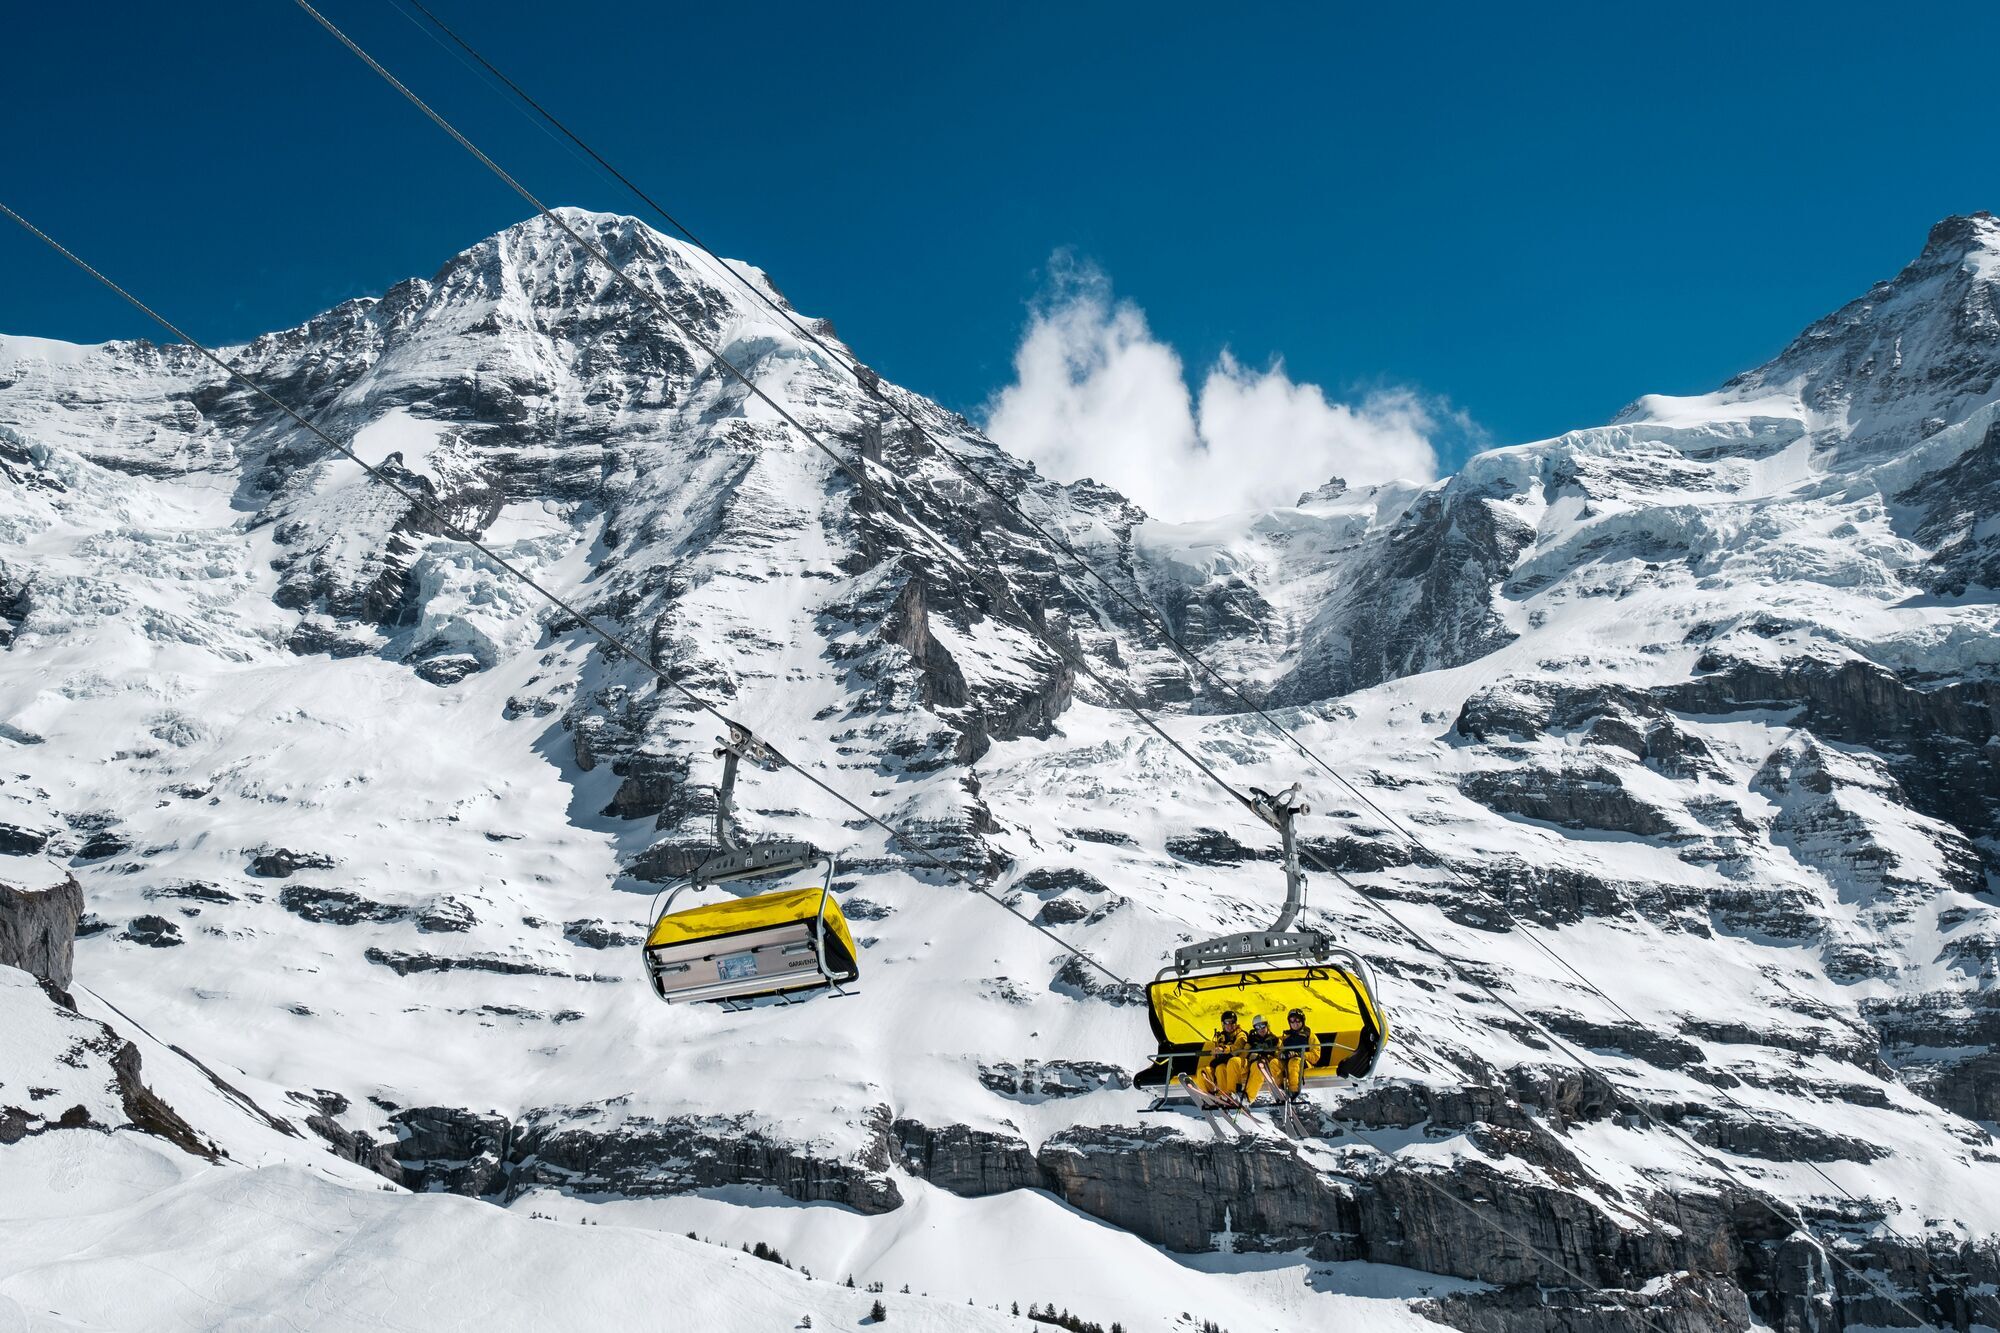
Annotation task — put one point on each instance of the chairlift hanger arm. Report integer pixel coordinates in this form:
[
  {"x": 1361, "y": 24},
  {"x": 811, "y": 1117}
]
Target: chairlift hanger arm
[
  {"x": 732, "y": 749},
  {"x": 1280, "y": 812}
]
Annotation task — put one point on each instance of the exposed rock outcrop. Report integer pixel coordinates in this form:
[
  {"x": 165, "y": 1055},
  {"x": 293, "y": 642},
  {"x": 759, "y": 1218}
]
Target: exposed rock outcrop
[
  {"x": 590, "y": 1150},
  {"x": 336, "y": 907},
  {"x": 283, "y": 863},
  {"x": 38, "y": 930},
  {"x": 1577, "y": 793},
  {"x": 69, "y": 1072},
  {"x": 1940, "y": 740},
  {"x": 155, "y": 932},
  {"x": 1428, "y": 603}
]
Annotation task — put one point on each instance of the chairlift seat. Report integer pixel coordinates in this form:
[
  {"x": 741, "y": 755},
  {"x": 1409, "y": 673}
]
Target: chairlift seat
[
  {"x": 1337, "y": 993},
  {"x": 744, "y": 948}
]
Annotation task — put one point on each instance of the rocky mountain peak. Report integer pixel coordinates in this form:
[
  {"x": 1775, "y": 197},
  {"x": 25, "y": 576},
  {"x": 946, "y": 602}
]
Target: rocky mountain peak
[
  {"x": 1956, "y": 239},
  {"x": 536, "y": 266},
  {"x": 1333, "y": 488},
  {"x": 1915, "y": 353}
]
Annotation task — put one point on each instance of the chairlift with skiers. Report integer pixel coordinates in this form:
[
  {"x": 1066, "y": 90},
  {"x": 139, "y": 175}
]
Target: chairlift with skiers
[{"x": 1204, "y": 1003}]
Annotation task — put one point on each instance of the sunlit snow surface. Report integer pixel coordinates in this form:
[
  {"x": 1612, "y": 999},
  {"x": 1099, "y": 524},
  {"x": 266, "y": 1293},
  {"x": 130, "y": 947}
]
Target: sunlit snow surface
[
  {"x": 115, "y": 1232},
  {"x": 152, "y": 683}
]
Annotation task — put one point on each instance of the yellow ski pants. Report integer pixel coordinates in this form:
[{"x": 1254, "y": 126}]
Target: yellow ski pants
[
  {"x": 1284, "y": 1071},
  {"x": 1224, "y": 1077}
]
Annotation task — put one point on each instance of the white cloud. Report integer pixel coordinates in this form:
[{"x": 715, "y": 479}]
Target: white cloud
[{"x": 1095, "y": 394}]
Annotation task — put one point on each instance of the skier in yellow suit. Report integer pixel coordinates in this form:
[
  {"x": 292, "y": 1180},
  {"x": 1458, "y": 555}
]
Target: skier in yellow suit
[
  {"x": 1221, "y": 1068},
  {"x": 1262, "y": 1057},
  {"x": 1298, "y": 1051}
]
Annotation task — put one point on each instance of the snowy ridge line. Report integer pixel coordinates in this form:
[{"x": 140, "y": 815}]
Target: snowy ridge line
[
  {"x": 374, "y": 473},
  {"x": 866, "y": 380},
  {"x": 859, "y": 474}
]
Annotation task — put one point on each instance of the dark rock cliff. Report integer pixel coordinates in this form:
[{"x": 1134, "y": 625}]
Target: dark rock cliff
[{"x": 38, "y": 930}]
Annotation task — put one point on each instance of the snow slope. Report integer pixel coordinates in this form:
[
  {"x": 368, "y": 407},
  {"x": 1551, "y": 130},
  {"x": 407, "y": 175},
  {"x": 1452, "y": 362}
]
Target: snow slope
[
  {"x": 115, "y": 1232},
  {"x": 1702, "y": 698}
]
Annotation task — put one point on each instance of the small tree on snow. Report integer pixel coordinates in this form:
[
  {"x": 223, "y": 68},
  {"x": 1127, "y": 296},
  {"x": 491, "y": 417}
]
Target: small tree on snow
[{"x": 878, "y": 1313}]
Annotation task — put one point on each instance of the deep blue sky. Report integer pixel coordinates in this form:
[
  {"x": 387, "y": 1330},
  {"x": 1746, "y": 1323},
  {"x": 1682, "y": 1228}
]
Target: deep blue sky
[{"x": 1539, "y": 213}]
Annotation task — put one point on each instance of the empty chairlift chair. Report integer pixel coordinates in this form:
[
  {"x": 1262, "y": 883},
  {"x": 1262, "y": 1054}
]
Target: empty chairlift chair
[{"x": 784, "y": 943}]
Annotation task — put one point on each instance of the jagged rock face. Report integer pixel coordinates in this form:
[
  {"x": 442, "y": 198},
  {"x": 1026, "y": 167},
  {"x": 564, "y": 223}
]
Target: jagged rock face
[
  {"x": 584, "y": 1150},
  {"x": 1827, "y": 802},
  {"x": 1957, "y": 504},
  {"x": 968, "y": 1162},
  {"x": 1579, "y": 795},
  {"x": 1944, "y": 1046},
  {"x": 1702, "y": 700},
  {"x": 1937, "y": 737},
  {"x": 38, "y": 930},
  {"x": 1424, "y": 601},
  {"x": 517, "y": 377}
]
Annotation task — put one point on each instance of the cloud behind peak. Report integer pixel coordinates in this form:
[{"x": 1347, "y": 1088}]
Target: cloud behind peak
[{"x": 1095, "y": 394}]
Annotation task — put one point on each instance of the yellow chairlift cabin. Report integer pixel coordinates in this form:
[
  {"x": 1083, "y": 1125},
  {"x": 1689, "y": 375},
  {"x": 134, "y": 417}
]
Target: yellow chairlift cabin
[
  {"x": 1268, "y": 972},
  {"x": 781, "y": 944}
]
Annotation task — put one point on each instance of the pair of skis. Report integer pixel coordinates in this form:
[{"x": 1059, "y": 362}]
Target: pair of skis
[
  {"x": 1219, "y": 1111},
  {"x": 1287, "y": 1115}
]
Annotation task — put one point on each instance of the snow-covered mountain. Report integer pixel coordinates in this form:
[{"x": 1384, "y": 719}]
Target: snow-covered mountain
[{"x": 365, "y": 833}]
